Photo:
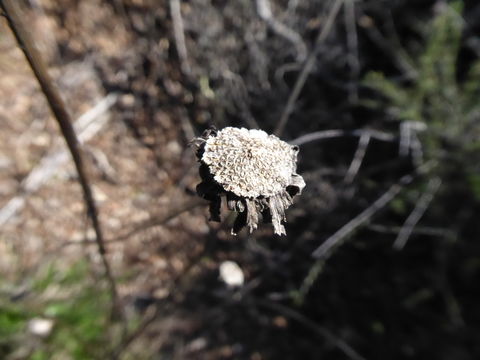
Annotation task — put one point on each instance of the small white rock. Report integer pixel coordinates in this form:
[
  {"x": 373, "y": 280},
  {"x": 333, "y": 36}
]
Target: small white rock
[
  {"x": 40, "y": 327},
  {"x": 231, "y": 274},
  {"x": 197, "y": 345}
]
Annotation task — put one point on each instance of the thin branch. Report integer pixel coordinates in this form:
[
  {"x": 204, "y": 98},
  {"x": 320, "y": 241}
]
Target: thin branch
[
  {"x": 397, "y": 55},
  {"x": 152, "y": 314},
  {"x": 352, "y": 44},
  {"x": 62, "y": 116},
  {"x": 328, "y": 134},
  {"x": 405, "y": 138},
  {"x": 417, "y": 213},
  {"x": 337, "y": 238},
  {"x": 309, "y": 280},
  {"x": 322, "y": 252},
  {"x": 264, "y": 10},
  {"x": 357, "y": 158},
  {"x": 426, "y": 231},
  {"x": 173, "y": 212},
  {"x": 417, "y": 150},
  {"x": 102, "y": 163},
  {"x": 307, "y": 68},
  {"x": 157, "y": 220},
  {"x": 318, "y": 329},
  {"x": 186, "y": 124},
  {"x": 409, "y": 142},
  {"x": 179, "y": 35},
  {"x": 240, "y": 94}
]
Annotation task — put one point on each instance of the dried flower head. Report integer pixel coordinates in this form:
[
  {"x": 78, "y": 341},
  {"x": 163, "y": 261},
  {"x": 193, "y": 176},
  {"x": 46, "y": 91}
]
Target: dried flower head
[{"x": 255, "y": 171}]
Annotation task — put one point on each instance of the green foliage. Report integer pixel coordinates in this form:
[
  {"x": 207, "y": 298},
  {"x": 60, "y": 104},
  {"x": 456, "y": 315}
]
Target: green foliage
[
  {"x": 82, "y": 323},
  {"x": 79, "y": 308},
  {"x": 399, "y": 206},
  {"x": 12, "y": 320},
  {"x": 434, "y": 97},
  {"x": 474, "y": 180}
]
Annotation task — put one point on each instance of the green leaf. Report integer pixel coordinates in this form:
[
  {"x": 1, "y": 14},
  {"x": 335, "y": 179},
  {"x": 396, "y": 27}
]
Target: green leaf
[{"x": 474, "y": 181}]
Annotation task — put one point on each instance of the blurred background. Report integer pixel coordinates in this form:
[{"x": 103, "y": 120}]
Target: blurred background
[{"x": 382, "y": 97}]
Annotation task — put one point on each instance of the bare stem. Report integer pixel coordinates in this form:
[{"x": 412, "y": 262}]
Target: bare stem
[
  {"x": 352, "y": 44},
  {"x": 58, "y": 107},
  {"x": 334, "y": 133},
  {"x": 309, "y": 63},
  {"x": 357, "y": 158},
  {"x": 179, "y": 35},
  {"x": 340, "y": 235},
  {"x": 417, "y": 213},
  {"x": 265, "y": 12}
]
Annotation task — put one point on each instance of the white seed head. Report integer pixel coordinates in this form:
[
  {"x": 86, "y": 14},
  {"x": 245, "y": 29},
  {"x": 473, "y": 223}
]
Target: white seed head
[{"x": 250, "y": 163}]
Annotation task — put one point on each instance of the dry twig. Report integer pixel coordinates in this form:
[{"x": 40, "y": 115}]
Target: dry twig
[
  {"x": 396, "y": 53},
  {"x": 417, "y": 213},
  {"x": 357, "y": 158},
  {"x": 265, "y": 12},
  {"x": 409, "y": 142},
  {"x": 58, "y": 107},
  {"x": 426, "y": 231},
  {"x": 328, "y": 134},
  {"x": 155, "y": 220},
  {"x": 323, "y": 250},
  {"x": 241, "y": 96},
  {"x": 352, "y": 44},
  {"x": 307, "y": 68},
  {"x": 179, "y": 35}
]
